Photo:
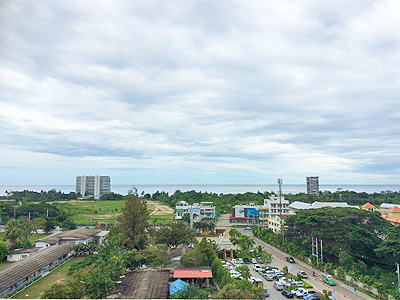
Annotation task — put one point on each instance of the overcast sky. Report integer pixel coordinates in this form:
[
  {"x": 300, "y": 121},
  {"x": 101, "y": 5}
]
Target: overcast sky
[{"x": 207, "y": 92}]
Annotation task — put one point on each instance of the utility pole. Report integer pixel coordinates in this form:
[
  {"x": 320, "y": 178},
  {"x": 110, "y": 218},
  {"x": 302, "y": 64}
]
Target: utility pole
[
  {"x": 191, "y": 216},
  {"x": 398, "y": 275},
  {"x": 312, "y": 245},
  {"x": 322, "y": 258}
]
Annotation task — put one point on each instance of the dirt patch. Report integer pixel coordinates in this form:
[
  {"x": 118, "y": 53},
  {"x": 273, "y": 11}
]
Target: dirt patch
[{"x": 160, "y": 209}]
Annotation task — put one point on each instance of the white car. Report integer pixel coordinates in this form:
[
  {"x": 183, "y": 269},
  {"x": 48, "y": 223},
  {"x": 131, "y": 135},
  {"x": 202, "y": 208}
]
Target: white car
[
  {"x": 256, "y": 267},
  {"x": 302, "y": 274},
  {"x": 278, "y": 286},
  {"x": 253, "y": 261},
  {"x": 240, "y": 261},
  {"x": 234, "y": 273},
  {"x": 300, "y": 292}
]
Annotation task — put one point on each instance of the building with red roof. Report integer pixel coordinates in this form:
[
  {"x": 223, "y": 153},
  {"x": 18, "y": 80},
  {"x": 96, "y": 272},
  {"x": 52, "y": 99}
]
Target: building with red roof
[
  {"x": 196, "y": 275},
  {"x": 368, "y": 206}
]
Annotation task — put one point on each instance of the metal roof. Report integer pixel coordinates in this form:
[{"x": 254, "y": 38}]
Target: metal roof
[
  {"x": 76, "y": 234},
  {"x": 19, "y": 270},
  {"x": 26, "y": 250},
  {"x": 193, "y": 272},
  {"x": 142, "y": 284}
]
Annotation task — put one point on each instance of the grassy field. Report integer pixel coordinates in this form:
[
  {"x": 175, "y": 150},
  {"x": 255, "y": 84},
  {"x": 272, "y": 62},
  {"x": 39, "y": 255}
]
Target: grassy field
[
  {"x": 5, "y": 264},
  {"x": 35, "y": 290},
  {"x": 92, "y": 212},
  {"x": 32, "y": 238}
]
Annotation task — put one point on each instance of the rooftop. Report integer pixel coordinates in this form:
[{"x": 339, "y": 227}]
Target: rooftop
[
  {"x": 19, "y": 270},
  {"x": 26, "y": 250},
  {"x": 394, "y": 209},
  {"x": 193, "y": 272},
  {"x": 76, "y": 234},
  {"x": 142, "y": 284},
  {"x": 368, "y": 205}
]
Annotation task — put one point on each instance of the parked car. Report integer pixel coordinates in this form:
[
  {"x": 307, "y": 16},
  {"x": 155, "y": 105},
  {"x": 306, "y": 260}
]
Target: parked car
[
  {"x": 240, "y": 261},
  {"x": 302, "y": 274},
  {"x": 246, "y": 260},
  {"x": 278, "y": 286},
  {"x": 234, "y": 273},
  {"x": 300, "y": 292},
  {"x": 287, "y": 294},
  {"x": 248, "y": 228},
  {"x": 253, "y": 261},
  {"x": 262, "y": 271},
  {"x": 268, "y": 277},
  {"x": 256, "y": 267},
  {"x": 266, "y": 294},
  {"x": 312, "y": 295},
  {"x": 277, "y": 276},
  {"x": 290, "y": 259}
]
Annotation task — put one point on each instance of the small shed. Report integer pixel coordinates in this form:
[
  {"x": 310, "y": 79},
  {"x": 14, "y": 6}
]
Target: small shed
[
  {"x": 18, "y": 254},
  {"x": 197, "y": 275}
]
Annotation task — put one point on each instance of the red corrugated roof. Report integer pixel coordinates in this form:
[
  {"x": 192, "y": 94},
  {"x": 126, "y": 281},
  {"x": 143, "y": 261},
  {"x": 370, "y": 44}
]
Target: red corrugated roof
[{"x": 192, "y": 274}]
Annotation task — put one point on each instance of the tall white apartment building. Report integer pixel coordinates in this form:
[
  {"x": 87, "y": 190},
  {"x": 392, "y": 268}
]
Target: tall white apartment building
[
  {"x": 94, "y": 186},
  {"x": 313, "y": 185}
]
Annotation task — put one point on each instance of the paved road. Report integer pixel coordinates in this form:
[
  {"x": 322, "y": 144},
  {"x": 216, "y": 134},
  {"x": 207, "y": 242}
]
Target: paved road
[
  {"x": 343, "y": 291},
  {"x": 223, "y": 222}
]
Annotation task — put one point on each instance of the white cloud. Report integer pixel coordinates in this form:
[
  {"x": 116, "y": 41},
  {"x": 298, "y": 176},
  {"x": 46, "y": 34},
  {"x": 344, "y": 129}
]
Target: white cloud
[{"x": 214, "y": 92}]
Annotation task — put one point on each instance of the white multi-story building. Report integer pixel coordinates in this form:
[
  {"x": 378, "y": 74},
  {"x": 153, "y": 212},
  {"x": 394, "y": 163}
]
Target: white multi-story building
[
  {"x": 278, "y": 210},
  {"x": 313, "y": 185},
  {"x": 205, "y": 209},
  {"x": 95, "y": 186}
]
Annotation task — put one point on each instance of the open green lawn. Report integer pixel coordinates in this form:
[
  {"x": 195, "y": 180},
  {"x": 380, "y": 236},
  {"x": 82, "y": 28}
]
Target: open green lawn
[
  {"x": 158, "y": 219},
  {"x": 33, "y": 237},
  {"x": 5, "y": 264},
  {"x": 91, "y": 212},
  {"x": 35, "y": 290}
]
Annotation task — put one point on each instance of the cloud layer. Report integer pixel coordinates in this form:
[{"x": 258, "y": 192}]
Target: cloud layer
[{"x": 199, "y": 91}]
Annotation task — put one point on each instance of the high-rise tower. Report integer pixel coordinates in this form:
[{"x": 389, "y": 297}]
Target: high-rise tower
[
  {"x": 94, "y": 186},
  {"x": 313, "y": 185}
]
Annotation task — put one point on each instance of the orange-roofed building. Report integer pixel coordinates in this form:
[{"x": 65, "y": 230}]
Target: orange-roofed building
[
  {"x": 368, "y": 206},
  {"x": 393, "y": 220},
  {"x": 394, "y": 212}
]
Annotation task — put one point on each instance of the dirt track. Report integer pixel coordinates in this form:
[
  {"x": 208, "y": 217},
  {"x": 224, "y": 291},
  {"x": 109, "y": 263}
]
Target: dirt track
[{"x": 160, "y": 209}]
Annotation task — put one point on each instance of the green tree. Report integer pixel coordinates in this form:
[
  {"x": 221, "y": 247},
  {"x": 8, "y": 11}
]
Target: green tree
[
  {"x": 134, "y": 222},
  {"x": 3, "y": 251},
  {"x": 69, "y": 224},
  {"x": 244, "y": 270},
  {"x": 178, "y": 234},
  {"x": 159, "y": 255},
  {"x": 194, "y": 258},
  {"x": 17, "y": 233},
  {"x": 243, "y": 241}
]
